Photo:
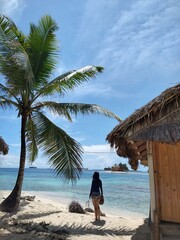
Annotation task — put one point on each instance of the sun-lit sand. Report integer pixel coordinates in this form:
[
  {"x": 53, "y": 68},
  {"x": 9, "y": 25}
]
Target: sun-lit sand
[{"x": 46, "y": 219}]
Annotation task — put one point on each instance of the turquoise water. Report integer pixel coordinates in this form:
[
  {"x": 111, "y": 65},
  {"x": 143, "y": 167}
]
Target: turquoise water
[{"x": 124, "y": 192}]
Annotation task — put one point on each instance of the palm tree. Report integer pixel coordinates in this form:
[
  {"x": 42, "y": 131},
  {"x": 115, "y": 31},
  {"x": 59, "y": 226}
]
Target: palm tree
[
  {"x": 27, "y": 63},
  {"x": 3, "y": 147}
]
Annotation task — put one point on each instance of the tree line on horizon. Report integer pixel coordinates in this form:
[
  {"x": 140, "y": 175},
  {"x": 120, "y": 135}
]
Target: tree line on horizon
[{"x": 121, "y": 167}]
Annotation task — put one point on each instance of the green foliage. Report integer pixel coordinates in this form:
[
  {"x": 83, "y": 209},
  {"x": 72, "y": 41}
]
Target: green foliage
[
  {"x": 27, "y": 63},
  {"x": 120, "y": 167}
]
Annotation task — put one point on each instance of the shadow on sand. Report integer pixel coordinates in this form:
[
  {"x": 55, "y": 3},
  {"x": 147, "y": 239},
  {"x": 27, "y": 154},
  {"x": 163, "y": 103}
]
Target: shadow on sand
[
  {"x": 22, "y": 228},
  {"x": 142, "y": 232},
  {"x": 99, "y": 223}
]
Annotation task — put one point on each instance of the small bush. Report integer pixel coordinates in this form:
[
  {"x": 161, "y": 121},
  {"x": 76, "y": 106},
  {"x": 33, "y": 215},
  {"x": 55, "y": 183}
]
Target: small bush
[{"x": 75, "y": 207}]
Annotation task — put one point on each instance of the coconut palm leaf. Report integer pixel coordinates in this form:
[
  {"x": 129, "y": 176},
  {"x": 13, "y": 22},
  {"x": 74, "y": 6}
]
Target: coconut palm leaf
[
  {"x": 18, "y": 73},
  {"x": 67, "y": 109},
  {"x": 69, "y": 81},
  {"x": 63, "y": 152},
  {"x": 14, "y": 60},
  {"x": 7, "y": 27},
  {"x": 4, "y": 103},
  {"x": 6, "y": 96},
  {"x": 32, "y": 148},
  {"x": 43, "y": 49}
]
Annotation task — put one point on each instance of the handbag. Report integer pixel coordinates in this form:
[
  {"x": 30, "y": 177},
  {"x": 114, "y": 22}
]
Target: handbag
[
  {"x": 101, "y": 201},
  {"x": 88, "y": 208}
]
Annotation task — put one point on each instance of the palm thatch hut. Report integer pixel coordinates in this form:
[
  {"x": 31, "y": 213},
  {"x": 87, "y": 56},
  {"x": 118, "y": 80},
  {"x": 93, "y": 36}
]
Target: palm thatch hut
[
  {"x": 151, "y": 136},
  {"x": 3, "y": 147}
]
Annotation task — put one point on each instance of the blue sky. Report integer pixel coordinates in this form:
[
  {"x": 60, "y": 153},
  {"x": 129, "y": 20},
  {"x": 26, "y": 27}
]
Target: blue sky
[{"x": 136, "y": 41}]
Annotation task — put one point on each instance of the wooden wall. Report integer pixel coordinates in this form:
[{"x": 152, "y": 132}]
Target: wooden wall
[{"x": 166, "y": 161}]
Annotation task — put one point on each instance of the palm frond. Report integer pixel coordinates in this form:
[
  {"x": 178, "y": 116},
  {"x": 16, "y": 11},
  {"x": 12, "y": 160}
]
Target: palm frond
[
  {"x": 18, "y": 73},
  {"x": 14, "y": 60},
  {"x": 7, "y": 92},
  {"x": 55, "y": 108},
  {"x": 8, "y": 31},
  {"x": 67, "y": 109},
  {"x": 69, "y": 80},
  {"x": 64, "y": 153},
  {"x": 32, "y": 148},
  {"x": 5, "y": 102},
  {"x": 43, "y": 49}
]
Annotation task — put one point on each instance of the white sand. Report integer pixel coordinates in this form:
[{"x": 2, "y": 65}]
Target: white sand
[{"x": 46, "y": 219}]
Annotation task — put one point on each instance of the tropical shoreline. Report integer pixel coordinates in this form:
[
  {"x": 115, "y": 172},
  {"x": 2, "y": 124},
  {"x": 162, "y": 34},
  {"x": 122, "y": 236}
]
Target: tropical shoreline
[
  {"x": 125, "y": 194},
  {"x": 53, "y": 196},
  {"x": 56, "y": 216}
]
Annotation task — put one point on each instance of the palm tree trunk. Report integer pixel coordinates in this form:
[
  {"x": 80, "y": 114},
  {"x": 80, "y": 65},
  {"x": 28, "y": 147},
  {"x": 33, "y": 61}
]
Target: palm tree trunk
[{"x": 11, "y": 203}]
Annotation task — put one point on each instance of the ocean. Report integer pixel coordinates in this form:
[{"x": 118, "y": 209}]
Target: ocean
[{"x": 125, "y": 193}]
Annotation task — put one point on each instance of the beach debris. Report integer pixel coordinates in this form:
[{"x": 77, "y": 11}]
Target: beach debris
[
  {"x": 103, "y": 214},
  {"x": 89, "y": 210},
  {"x": 28, "y": 198},
  {"x": 75, "y": 207}
]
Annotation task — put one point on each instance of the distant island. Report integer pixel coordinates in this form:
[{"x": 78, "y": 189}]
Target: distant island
[{"x": 118, "y": 168}]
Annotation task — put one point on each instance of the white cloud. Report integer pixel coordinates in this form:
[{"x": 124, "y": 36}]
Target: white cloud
[
  {"x": 142, "y": 35},
  {"x": 10, "y": 160},
  {"x": 139, "y": 37},
  {"x": 93, "y": 89},
  {"x": 15, "y": 145},
  {"x": 98, "y": 148},
  {"x": 94, "y": 157},
  {"x": 99, "y": 156},
  {"x": 12, "y": 8},
  {"x": 101, "y": 160},
  {"x": 61, "y": 69},
  {"x": 8, "y": 6},
  {"x": 9, "y": 117},
  {"x": 96, "y": 89}
]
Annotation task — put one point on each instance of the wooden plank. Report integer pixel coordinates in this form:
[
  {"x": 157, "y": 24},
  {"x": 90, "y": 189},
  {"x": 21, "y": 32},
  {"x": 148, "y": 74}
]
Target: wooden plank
[
  {"x": 165, "y": 185},
  {"x": 155, "y": 154},
  {"x": 172, "y": 179},
  {"x": 156, "y": 213},
  {"x": 175, "y": 178},
  {"x": 170, "y": 230},
  {"x": 151, "y": 181},
  {"x": 167, "y": 159}
]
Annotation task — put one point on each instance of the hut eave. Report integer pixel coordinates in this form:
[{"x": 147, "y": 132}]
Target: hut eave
[{"x": 159, "y": 120}]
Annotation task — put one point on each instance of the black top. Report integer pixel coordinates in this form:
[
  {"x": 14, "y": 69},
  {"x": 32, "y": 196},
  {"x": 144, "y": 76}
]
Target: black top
[{"x": 96, "y": 187}]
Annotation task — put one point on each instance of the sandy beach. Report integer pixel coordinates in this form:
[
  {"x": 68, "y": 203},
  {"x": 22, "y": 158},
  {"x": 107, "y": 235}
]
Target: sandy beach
[{"x": 40, "y": 218}]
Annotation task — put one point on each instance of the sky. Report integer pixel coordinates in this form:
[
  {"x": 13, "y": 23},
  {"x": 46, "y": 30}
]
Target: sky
[{"x": 136, "y": 41}]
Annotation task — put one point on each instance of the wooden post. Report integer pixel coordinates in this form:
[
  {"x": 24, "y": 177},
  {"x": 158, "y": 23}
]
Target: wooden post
[
  {"x": 155, "y": 235},
  {"x": 155, "y": 228}
]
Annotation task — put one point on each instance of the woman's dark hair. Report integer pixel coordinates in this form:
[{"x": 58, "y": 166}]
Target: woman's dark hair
[{"x": 96, "y": 176}]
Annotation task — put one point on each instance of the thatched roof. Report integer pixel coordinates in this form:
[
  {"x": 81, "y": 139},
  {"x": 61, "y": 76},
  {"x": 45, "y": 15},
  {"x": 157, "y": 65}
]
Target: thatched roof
[
  {"x": 3, "y": 147},
  {"x": 159, "y": 120}
]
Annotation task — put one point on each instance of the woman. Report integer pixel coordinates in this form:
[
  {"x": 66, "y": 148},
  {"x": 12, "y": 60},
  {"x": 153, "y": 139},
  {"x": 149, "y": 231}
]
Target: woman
[{"x": 95, "y": 193}]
